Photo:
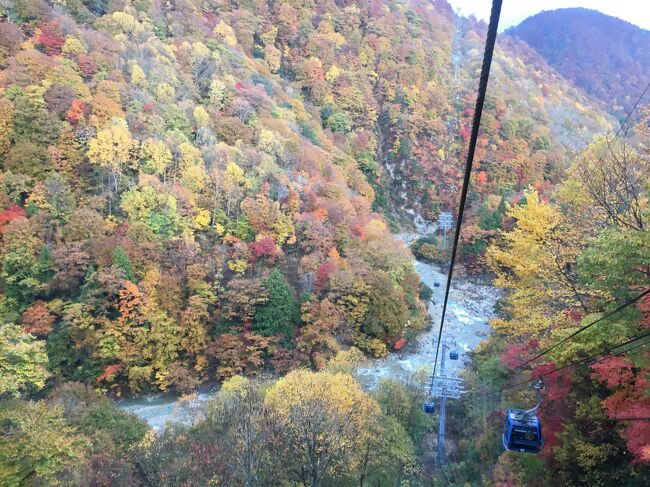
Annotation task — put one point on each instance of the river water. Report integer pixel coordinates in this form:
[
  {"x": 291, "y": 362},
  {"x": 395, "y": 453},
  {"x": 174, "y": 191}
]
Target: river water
[
  {"x": 470, "y": 308},
  {"x": 159, "y": 409}
]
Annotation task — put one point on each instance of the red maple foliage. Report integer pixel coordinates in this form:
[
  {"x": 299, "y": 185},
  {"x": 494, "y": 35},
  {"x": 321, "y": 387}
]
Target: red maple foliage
[
  {"x": 614, "y": 372},
  {"x": 629, "y": 400},
  {"x": 9, "y": 215},
  {"x": 323, "y": 273},
  {"x": 518, "y": 353},
  {"x": 465, "y": 132},
  {"x": 265, "y": 248},
  {"x": 37, "y": 319},
  {"x": 50, "y": 39}
]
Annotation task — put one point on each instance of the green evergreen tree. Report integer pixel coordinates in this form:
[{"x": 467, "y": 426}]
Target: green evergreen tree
[
  {"x": 89, "y": 282},
  {"x": 121, "y": 260},
  {"x": 279, "y": 314},
  {"x": 488, "y": 219},
  {"x": 24, "y": 277}
]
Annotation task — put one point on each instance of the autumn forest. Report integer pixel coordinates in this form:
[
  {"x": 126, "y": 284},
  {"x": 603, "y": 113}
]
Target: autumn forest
[{"x": 210, "y": 195}]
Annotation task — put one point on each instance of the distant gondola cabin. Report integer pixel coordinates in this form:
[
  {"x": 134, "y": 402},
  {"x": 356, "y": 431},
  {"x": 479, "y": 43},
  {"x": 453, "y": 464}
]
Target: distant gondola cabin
[{"x": 429, "y": 407}]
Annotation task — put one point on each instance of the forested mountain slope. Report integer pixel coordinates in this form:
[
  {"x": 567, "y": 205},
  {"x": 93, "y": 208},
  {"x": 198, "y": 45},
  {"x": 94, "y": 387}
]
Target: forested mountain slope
[
  {"x": 172, "y": 212},
  {"x": 566, "y": 264},
  {"x": 396, "y": 85},
  {"x": 160, "y": 160},
  {"x": 606, "y": 56}
]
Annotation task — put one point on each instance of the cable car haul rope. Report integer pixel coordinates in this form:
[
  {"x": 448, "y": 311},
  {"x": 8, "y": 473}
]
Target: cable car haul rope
[{"x": 476, "y": 122}]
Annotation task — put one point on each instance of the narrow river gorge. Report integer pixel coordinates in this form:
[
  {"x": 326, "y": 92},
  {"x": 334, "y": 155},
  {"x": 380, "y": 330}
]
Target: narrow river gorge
[{"x": 471, "y": 306}]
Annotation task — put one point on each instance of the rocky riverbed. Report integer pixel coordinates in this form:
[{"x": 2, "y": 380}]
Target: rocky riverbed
[{"x": 470, "y": 308}]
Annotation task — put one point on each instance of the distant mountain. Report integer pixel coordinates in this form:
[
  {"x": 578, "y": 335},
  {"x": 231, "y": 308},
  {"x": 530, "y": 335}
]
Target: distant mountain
[{"x": 606, "y": 56}]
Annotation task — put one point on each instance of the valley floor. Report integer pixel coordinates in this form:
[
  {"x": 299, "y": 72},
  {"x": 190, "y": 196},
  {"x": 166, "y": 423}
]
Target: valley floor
[{"x": 469, "y": 311}]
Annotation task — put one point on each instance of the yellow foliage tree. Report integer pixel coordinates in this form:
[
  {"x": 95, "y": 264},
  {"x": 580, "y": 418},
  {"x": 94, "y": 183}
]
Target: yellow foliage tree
[
  {"x": 325, "y": 419},
  {"x": 6, "y": 125},
  {"x": 191, "y": 167},
  {"x": 201, "y": 116},
  {"x": 137, "y": 75},
  {"x": 113, "y": 149},
  {"x": 155, "y": 157},
  {"x": 164, "y": 92},
  {"x": 218, "y": 93},
  {"x": 534, "y": 262},
  {"x": 73, "y": 46},
  {"x": 332, "y": 74},
  {"x": 234, "y": 184},
  {"x": 238, "y": 266},
  {"x": 202, "y": 218},
  {"x": 224, "y": 31}
]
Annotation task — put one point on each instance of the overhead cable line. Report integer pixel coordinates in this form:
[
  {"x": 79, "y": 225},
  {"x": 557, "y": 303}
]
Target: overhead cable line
[
  {"x": 598, "y": 420},
  {"x": 577, "y": 365},
  {"x": 584, "y": 328},
  {"x": 588, "y": 361},
  {"x": 629, "y": 114},
  {"x": 606, "y": 420},
  {"x": 478, "y": 111}
]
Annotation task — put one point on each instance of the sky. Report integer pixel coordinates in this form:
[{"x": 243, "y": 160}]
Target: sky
[{"x": 514, "y": 11}]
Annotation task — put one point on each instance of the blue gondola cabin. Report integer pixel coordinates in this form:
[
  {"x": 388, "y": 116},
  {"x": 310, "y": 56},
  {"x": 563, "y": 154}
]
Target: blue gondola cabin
[
  {"x": 429, "y": 407},
  {"x": 453, "y": 355},
  {"x": 522, "y": 433}
]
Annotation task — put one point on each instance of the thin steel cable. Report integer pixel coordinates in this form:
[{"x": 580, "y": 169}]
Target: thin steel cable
[
  {"x": 629, "y": 114},
  {"x": 604, "y": 420},
  {"x": 478, "y": 111},
  {"x": 586, "y": 327},
  {"x": 587, "y": 362},
  {"x": 584, "y": 362}
]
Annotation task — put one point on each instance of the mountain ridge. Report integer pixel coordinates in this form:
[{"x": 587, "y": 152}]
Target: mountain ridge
[{"x": 605, "y": 55}]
